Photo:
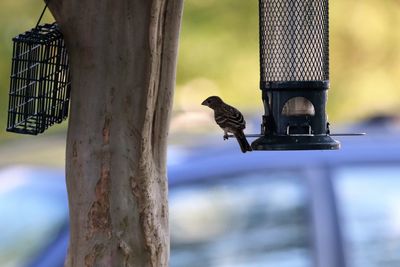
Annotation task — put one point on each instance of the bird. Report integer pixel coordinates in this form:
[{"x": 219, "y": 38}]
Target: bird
[{"x": 229, "y": 119}]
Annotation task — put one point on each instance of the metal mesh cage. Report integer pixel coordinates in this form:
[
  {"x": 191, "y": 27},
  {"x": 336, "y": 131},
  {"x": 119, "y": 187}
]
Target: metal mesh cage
[
  {"x": 294, "y": 41},
  {"x": 40, "y": 81}
]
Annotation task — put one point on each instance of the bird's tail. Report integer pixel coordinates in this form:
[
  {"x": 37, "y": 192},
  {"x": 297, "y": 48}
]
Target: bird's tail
[{"x": 244, "y": 145}]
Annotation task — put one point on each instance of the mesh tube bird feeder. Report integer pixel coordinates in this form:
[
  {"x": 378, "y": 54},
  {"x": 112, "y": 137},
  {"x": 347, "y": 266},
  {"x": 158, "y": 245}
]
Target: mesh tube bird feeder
[{"x": 294, "y": 68}]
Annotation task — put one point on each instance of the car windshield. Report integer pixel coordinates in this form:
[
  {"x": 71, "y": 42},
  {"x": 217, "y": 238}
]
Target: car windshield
[
  {"x": 245, "y": 221},
  {"x": 33, "y": 209},
  {"x": 369, "y": 207}
]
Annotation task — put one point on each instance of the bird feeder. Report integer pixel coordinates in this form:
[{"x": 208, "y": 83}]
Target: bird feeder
[
  {"x": 40, "y": 81},
  {"x": 294, "y": 67}
]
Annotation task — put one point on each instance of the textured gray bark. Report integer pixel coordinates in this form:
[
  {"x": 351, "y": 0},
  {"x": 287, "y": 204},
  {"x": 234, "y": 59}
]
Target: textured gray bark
[{"x": 123, "y": 61}]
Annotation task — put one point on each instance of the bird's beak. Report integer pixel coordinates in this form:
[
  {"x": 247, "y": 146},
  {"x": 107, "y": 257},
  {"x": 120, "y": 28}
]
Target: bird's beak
[{"x": 204, "y": 103}]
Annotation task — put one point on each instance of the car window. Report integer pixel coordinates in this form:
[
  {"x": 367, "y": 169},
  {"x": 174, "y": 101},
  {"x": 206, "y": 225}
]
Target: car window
[
  {"x": 32, "y": 209},
  {"x": 369, "y": 208},
  {"x": 249, "y": 220}
]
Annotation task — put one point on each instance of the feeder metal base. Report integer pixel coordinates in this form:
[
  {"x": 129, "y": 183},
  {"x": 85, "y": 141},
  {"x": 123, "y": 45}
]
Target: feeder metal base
[{"x": 295, "y": 142}]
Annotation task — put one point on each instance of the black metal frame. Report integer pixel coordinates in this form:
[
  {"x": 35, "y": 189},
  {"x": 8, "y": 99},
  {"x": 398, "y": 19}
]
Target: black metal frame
[{"x": 40, "y": 81}]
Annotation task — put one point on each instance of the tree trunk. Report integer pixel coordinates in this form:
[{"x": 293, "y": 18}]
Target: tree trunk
[{"x": 123, "y": 60}]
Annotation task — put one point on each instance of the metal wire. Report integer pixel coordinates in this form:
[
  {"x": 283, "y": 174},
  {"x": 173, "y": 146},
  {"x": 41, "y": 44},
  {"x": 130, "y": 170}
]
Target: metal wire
[{"x": 41, "y": 15}]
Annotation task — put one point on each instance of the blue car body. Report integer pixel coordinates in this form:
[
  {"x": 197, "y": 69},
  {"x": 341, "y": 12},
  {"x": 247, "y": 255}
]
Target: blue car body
[{"x": 215, "y": 169}]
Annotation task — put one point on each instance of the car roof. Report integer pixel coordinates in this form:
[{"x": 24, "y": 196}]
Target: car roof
[{"x": 226, "y": 159}]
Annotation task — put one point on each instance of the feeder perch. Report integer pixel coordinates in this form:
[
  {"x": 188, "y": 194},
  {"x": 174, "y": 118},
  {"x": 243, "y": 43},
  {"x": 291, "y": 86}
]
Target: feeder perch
[
  {"x": 294, "y": 68},
  {"x": 40, "y": 81}
]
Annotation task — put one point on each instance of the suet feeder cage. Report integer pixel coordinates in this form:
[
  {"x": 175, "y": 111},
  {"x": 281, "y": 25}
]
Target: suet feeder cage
[
  {"x": 40, "y": 81},
  {"x": 294, "y": 67}
]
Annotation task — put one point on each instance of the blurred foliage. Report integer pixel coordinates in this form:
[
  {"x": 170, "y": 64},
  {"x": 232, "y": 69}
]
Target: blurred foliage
[
  {"x": 219, "y": 54},
  {"x": 219, "y": 44}
]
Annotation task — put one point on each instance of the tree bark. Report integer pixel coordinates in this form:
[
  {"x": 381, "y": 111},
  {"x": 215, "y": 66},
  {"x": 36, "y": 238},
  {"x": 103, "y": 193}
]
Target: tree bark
[{"x": 123, "y": 60}]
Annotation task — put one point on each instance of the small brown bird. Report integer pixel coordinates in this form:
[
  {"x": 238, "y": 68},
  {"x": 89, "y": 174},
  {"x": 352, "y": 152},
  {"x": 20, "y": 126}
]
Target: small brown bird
[{"x": 229, "y": 119}]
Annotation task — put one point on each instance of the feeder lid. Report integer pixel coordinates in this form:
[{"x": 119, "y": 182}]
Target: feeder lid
[{"x": 42, "y": 34}]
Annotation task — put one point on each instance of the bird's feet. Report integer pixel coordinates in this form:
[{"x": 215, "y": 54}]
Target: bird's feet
[{"x": 226, "y": 137}]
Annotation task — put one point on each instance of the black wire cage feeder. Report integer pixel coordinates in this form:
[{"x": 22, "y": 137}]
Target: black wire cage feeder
[
  {"x": 40, "y": 80},
  {"x": 294, "y": 68}
]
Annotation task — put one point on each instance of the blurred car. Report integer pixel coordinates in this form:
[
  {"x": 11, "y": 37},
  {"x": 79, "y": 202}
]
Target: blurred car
[{"x": 228, "y": 209}]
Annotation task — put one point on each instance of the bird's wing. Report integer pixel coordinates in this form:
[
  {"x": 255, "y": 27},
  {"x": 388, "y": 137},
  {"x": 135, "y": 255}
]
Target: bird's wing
[{"x": 228, "y": 116}]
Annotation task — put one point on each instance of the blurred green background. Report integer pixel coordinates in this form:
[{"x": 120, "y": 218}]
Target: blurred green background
[{"x": 219, "y": 55}]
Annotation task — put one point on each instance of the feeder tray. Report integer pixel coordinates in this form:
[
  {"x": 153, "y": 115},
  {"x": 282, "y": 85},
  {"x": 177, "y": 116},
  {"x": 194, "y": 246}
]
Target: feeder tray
[{"x": 40, "y": 81}]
